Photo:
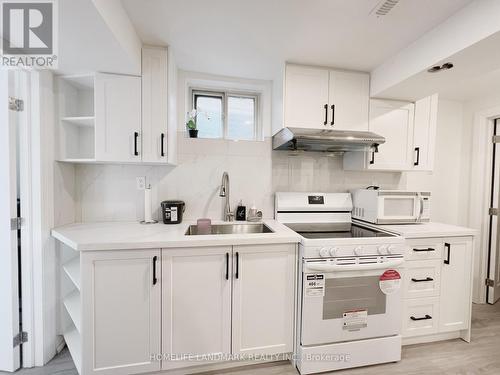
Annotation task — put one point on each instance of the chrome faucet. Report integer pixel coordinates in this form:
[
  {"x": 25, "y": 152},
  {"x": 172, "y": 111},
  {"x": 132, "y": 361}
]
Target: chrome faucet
[{"x": 224, "y": 193}]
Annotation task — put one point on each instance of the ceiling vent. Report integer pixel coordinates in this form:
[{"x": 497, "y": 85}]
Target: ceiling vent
[{"x": 384, "y": 7}]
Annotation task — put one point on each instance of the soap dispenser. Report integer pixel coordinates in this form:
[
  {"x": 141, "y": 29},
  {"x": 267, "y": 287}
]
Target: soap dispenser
[{"x": 241, "y": 212}]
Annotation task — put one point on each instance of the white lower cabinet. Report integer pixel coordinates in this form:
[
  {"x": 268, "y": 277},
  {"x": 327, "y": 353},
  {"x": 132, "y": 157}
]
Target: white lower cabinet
[
  {"x": 456, "y": 285},
  {"x": 263, "y": 299},
  {"x": 437, "y": 287},
  {"x": 121, "y": 311},
  {"x": 215, "y": 296},
  {"x": 196, "y": 304}
]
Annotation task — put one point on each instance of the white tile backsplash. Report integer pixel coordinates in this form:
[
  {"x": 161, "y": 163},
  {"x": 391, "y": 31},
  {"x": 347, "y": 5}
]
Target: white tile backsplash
[{"x": 108, "y": 192}]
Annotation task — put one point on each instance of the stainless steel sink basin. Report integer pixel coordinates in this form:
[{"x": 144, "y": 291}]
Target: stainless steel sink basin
[{"x": 231, "y": 229}]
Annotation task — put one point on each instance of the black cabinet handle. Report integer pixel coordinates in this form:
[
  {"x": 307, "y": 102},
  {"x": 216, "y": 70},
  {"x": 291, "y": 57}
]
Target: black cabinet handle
[
  {"x": 427, "y": 250},
  {"x": 237, "y": 274},
  {"x": 426, "y": 317},
  {"x": 136, "y": 136},
  {"x": 155, "y": 280},
  {"x": 421, "y": 280},
  {"x": 333, "y": 115},
  {"x": 227, "y": 266},
  {"x": 372, "y": 160},
  {"x": 326, "y": 114},
  {"x": 162, "y": 144},
  {"x": 448, "y": 248},
  {"x": 417, "y": 150}
]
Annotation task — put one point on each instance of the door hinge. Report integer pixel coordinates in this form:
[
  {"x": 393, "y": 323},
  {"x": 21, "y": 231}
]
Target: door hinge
[
  {"x": 490, "y": 282},
  {"x": 493, "y": 211},
  {"x": 20, "y": 338},
  {"x": 16, "y": 104},
  {"x": 16, "y": 223}
]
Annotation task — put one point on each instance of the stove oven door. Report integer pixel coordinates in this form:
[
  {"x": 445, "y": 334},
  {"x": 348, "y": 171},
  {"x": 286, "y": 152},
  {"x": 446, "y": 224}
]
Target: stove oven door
[{"x": 350, "y": 302}]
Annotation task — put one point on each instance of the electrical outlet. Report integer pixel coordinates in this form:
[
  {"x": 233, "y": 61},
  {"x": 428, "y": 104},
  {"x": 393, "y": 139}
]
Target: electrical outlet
[{"x": 141, "y": 182}]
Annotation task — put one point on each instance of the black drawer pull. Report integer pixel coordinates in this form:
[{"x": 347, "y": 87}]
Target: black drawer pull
[
  {"x": 333, "y": 115},
  {"x": 162, "y": 141},
  {"x": 417, "y": 150},
  {"x": 227, "y": 266},
  {"x": 427, "y": 249},
  {"x": 372, "y": 160},
  {"x": 237, "y": 265},
  {"x": 422, "y": 280},
  {"x": 426, "y": 317},
  {"x": 136, "y": 136},
  {"x": 326, "y": 114}
]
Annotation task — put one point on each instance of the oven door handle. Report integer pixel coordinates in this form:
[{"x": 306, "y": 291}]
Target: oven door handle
[{"x": 325, "y": 267}]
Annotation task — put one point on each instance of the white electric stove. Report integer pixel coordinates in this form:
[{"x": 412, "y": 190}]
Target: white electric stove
[{"x": 349, "y": 310}]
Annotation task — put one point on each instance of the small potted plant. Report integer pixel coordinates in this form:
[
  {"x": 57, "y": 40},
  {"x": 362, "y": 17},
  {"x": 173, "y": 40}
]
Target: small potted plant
[{"x": 191, "y": 124}]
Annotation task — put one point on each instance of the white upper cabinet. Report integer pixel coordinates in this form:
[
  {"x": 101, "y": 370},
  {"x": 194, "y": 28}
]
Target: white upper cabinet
[
  {"x": 154, "y": 104},
  {"x": 306, "y": 97},
  {"x": 409, "y": 130},
  {"x": 424, "y": 135},
  {"x": 118, "y": 118},
  {"x": 320, "y": 98},
  {"x": 348, "y": 100}
]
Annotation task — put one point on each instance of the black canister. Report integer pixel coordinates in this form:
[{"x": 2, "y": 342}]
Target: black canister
[{"x": 172, "y": 211}]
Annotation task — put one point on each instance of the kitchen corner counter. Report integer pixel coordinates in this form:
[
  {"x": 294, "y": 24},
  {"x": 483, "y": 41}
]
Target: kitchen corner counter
[
  {"x": 132, "y": 235},
  {"x": 427, "y": 230}
]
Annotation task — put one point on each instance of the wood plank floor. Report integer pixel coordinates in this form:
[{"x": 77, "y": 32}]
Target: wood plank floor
[{"x": 481, "y": 356}]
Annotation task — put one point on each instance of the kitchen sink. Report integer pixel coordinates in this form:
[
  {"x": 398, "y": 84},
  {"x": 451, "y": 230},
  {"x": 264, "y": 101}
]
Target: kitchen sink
[{"x": 231, "y": 229}]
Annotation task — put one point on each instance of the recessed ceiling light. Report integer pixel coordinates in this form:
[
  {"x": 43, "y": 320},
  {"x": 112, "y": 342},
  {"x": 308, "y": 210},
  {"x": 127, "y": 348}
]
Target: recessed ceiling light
[{"x": 438, "y": 68}]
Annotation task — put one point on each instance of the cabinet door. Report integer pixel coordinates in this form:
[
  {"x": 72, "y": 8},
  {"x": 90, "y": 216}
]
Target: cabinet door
[
  {"x": 154, "y": 104},
  {"x": 118, "y": 118},
  {"x": 196, "y": 304},
  {"x": 424, "y": 138},
  {"x": 306, "y": 97},
  {"x": 263, "y": 299},
  {"x": 455, "y": 303},
  {"x": 348, "y": 100},
  {"x": 394, "y": 121},
  {"x": 121, "y": 311}
]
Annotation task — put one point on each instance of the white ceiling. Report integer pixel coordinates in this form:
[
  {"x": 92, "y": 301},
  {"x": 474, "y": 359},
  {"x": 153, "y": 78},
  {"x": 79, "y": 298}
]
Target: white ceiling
[{"x": 253, "y": 38}]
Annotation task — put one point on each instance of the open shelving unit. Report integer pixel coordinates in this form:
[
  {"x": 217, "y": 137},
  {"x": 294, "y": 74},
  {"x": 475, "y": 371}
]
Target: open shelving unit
[
  {"x": 72, "y": 303},
  {"x": 76, "y": 113}
]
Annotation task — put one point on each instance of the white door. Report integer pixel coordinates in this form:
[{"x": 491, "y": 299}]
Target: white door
[
  {"x": 118, "y": 118},
  {"x": 121, "y": 295},
  {"x": 394, "y": 121},
  {"x": 424, "y": 134},
  {"x": 9, "y": 311},
  {"x": 348, "y": 100},
  {"x": 455, "y": 299},
  {"x": 196, "y": 305},
  {"x": 306, "y": 97},
  {"x": 263, "y": 299},
  {"x": 154, "y": 104},
  {"x": 493, "y": 290}
]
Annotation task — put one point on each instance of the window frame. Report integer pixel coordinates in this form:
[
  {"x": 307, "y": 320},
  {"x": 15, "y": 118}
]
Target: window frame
[{"x": 225, "y": 95}]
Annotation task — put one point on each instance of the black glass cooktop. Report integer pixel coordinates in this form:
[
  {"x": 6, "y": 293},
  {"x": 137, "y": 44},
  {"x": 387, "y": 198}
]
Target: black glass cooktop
[{"x": 336, "y": 230}]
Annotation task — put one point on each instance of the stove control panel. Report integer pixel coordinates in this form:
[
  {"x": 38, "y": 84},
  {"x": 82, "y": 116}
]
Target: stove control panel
[{"x": 352, "y": 250}]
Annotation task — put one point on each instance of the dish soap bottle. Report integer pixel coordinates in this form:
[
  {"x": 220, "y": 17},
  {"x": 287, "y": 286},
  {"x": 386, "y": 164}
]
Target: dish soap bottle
[{"x": 241, "y": 212}]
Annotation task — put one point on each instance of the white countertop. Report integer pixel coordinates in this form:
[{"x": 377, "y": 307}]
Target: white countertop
[
  {"x": 431, "y": 229},
  {"x": 132, "y": 235}
]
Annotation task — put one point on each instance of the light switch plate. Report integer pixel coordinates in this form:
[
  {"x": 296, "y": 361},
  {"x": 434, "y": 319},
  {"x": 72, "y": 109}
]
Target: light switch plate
[{"x": 141, "y": 182}]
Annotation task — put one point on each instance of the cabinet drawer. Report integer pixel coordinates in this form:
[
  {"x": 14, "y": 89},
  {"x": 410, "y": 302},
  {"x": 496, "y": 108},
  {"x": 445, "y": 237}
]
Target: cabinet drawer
[
  {"x": 420, "y": 316},
  {"x": 424, "y": 249},
  {"x": 422, "y": 278}
]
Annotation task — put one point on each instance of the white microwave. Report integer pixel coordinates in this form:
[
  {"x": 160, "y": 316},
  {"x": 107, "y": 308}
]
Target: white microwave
[{"x": 391, "y": 206}]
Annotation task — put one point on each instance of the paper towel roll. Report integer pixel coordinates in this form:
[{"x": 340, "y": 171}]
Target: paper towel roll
[{"x": 148, "y": 217}]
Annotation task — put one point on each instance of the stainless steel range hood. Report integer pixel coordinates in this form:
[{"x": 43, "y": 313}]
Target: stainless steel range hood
[{"x": 325, "y": 140}]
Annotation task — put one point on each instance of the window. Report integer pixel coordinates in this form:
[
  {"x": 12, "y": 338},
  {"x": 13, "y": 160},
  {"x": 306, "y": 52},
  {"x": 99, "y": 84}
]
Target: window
[{"x": 228, "y": 115}]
